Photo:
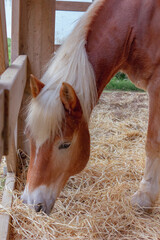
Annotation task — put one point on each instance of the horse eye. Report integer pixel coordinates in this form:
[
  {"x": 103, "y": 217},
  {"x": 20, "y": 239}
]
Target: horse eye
[{"x": 64, "y": 145}]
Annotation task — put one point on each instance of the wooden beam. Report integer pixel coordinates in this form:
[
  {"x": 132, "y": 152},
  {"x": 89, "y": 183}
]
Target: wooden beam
[
  {"x": 5, "y": 219},
  {"x": 13, "y": 82},
  {"x": 33, "y": 35},
  {"x": 11, "y": 159},
  {"x": 72, "y": 6},
  {"x": 36, "y": 32},
  {"x": 15, "y": 29},
  {"x": 3, "y": 39},
  {"x": 1, "y": 122}
]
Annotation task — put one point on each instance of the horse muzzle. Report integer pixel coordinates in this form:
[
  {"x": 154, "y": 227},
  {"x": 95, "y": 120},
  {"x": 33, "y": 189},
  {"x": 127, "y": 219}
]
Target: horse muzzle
[{"x": 41, "y": 199}]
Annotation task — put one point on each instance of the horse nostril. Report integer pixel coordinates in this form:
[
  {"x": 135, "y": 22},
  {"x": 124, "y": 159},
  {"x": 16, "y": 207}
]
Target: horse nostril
[{"x": 38, "y": 207}]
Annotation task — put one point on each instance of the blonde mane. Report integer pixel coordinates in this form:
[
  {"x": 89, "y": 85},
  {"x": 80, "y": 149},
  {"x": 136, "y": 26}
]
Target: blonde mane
[{"x": 70, "y": 64}]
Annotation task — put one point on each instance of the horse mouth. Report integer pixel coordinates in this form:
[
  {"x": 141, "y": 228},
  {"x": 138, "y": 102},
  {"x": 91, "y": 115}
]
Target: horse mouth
[
  {"x": 41, "y": 207},
  {"x": 44, "y": 208}
]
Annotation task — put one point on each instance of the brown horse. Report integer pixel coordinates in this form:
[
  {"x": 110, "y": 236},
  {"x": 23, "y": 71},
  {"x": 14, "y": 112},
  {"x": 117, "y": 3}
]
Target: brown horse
[{"x": 112, "y": 35}]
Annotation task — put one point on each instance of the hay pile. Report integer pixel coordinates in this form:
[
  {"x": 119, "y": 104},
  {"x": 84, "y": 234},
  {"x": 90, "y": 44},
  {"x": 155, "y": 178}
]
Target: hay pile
[{"x": 95, "y": 204}]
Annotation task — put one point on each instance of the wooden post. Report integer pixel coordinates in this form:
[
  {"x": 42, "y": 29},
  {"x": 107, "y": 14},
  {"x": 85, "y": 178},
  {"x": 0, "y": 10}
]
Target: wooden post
[
  {"x": 3, "y": 39},
  {"x": 15, "y": 29},
  {"x": 1, "y": 123},
  {"x": 33, "y": 32},
  {"x": 33, "y": 35},
  {"x": 13, "y": 82},
  {"x": 6, "y": 203}
]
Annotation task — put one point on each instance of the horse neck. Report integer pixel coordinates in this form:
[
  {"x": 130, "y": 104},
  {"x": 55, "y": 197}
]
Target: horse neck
[{"x": 109, "y": 39}]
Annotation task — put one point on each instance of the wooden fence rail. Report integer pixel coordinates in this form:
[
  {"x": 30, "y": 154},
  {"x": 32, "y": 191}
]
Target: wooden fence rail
[
  {"x": 72, "y": 6},
  {"x": 12, "y": 82}
]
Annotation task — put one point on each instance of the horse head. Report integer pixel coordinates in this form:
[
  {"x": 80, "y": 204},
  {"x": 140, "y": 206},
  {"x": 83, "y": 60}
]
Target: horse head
[{"x": 61, "y": 155}]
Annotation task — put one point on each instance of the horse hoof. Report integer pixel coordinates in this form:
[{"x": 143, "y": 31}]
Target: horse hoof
[{"x": 142, "y": 200}]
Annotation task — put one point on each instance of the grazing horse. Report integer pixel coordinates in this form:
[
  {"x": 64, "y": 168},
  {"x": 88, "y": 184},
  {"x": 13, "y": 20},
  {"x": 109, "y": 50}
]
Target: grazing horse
[{"x": 112, "y": 35}]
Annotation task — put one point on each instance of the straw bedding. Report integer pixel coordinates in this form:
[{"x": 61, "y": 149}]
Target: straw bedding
[{"x": 95, "y": 204}]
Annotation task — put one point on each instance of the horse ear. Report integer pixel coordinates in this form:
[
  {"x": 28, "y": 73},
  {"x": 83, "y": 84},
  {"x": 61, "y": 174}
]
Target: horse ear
[
  {"x": 35, "y": 85},
  {"x": 70, "y": 100}
]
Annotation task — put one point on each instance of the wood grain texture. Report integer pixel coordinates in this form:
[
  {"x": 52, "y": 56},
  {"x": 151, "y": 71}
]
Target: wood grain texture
[
  {"x": 36, "y": 33},
  {"x": 13, "y": 82},
  {"x": 15, "y": 29},
  {"x": 5, "y": 219},
  {"x": 11, "y": 159},
  {"x": 33, "y": 35},
  {"x": 72, "y": 6}
]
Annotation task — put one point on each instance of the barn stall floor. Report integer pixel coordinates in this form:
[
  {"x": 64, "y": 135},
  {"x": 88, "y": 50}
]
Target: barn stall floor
[{"x": 95, "y": 204}]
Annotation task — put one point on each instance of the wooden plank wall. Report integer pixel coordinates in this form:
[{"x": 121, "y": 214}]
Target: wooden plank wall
[{"x": 3, "y": 39}]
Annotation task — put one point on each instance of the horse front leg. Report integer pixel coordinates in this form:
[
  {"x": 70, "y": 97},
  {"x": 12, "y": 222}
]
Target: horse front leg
[{"x": 149, "y": 187}]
